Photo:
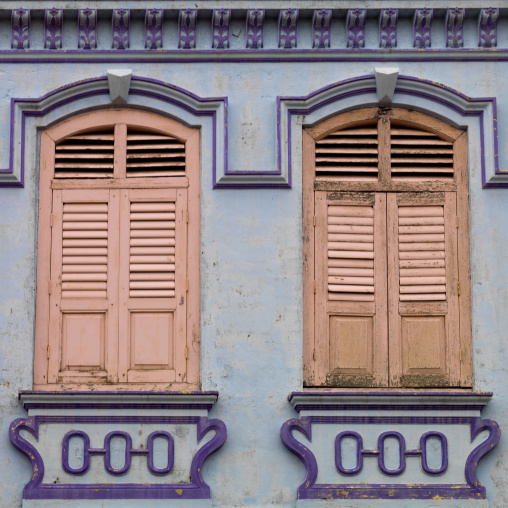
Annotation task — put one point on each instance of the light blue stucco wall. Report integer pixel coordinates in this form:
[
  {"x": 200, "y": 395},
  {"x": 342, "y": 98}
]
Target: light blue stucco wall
[{"x": 251, "y": 269}]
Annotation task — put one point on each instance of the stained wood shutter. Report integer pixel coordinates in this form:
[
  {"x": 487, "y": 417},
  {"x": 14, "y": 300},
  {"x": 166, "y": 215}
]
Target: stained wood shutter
[
  {"x": 153, "y": 268},
  {"x": 351, "y": 340},
  {"x": 422, "y": 289},
  {"x": 83, "y": 286}
]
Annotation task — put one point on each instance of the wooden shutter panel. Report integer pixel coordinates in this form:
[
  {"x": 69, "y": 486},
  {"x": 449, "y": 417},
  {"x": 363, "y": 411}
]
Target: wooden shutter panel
[
  {"x": 422, "y": 289},
  {"x": 83, "y": 287},
  {"x": 351, "y": 339},
  {"x": 153, "y": 239},
  {"x": 150, "y": 154}
]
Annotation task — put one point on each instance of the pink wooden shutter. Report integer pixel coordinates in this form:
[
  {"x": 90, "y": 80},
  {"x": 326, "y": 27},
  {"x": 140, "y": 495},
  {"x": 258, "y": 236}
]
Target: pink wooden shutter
[
  {"x": 153, "y": 296},
  {"x": 83, "y": 287},
  {"x": 423, "y": 276},
  {"x": 150, "y": 154},
  {"x": 350, "y": 272}
]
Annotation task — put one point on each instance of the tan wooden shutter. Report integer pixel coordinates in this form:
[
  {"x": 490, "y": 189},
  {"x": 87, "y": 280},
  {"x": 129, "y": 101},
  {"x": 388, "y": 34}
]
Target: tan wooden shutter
[
  {"x": 351, "y": 340},
  {"x": 422, "y": 289},
  {"x": 153, "y": 240},
  {"x": 83, "y": 286},
  {"x": 350, "y": 153},
  {"x": 85, "y": 156},
  {"x": 150, "y": 154}
]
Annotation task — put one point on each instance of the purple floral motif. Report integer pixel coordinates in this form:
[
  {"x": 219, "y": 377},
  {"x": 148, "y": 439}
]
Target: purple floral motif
[
  {"x": 288, "y": 28},
  {"x": 220, "y": 28},
  {"x": 53, "y": 19},
  {"x": 187, "y": 28},
  {"x": 255, "y": 21},
  {"x": 422, "y": 28},
  {"x": 355, "y": 28},
  {"x": 20, "y": 24},
  {"x": 87, "y": 22},
  {"x": 153, "y": 28},
  {"x": 321, "y": 22},
  {"x": 455, "y": 27},
  {"x": 121, "y": 25},
  {"x": 388, "y": 28},
  {"x": 487, "y": 28}
]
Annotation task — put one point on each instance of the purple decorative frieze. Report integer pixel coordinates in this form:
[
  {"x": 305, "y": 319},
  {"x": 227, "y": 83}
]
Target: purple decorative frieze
[
  {"x": 20, "y": 24},
  {"x": 487, "y": 28},
  {"x": 153, "y": 28},
  {"x": 355, "y": 28},
  {"x": 422, "y": 25},
  {"x": 53, "y": 20},
  {"x": 288, "y": 28},
  {"x": 388, "y": 28},
  {"x": 328, "y": 419},
  {"x": 220, "y": 28},
  {"x": 187, "y": 19},
  {"x": 87, "y": 24},
  {"x": 455, "y": 27},
  {"x": 321, "y": 22},
  {"x": 121, "y": 32},
  {"x": 255, "y": 22}
]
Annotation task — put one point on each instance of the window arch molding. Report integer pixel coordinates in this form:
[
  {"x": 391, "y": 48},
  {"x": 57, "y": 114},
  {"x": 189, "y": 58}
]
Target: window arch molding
[
  {"x": 118, "y": 252},
  {"x": 386, "y": 251}
]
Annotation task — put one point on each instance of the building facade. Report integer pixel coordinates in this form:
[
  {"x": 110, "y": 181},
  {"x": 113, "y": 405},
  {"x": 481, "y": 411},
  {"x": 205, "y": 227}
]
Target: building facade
[{"x": 252, "y": 254}]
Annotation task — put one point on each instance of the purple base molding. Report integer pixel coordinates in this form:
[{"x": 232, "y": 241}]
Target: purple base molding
[
  {"x": 317, "y": 405},
  {"x": 197, "y": 489}
]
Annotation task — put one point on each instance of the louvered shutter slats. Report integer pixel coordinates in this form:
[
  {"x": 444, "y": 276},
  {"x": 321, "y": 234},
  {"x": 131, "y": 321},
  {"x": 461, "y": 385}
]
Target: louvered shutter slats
[
  {"x": 346, "y": 279},
  {"x": 152, "y": 264},
  {"x": 84, "y": 266}
]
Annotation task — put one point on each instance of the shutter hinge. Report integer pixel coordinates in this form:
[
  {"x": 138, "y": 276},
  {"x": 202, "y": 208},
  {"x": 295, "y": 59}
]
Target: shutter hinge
[
  {"x": 51, "y": 219},
  {"x": 186, "y": 284},
  {"x": 314, "y": 221},
  {"x": 186, "y": 352},
  {"x": 187, "y": 216},
  {"x": 458, "y": 288},
  {"x": 47, "y": 352},
  {"x": 457, "y": 222},
  {"x": 314, "y": 354},
  {"x": 314, "y": 287},
  {"x": 50, "y": 287}
]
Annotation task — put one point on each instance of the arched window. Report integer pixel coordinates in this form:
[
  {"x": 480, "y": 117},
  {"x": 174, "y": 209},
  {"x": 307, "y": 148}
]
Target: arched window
[
  {"x": 386, "y": 252},
  {"x": 118, "y": 253}
]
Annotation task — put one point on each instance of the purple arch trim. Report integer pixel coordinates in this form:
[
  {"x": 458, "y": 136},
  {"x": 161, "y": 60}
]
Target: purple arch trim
[
  {"x": 400, "y": 90},
  {"x": 310, "y": 490},
  {"x": 197, "y": 489},
  {"x": 105, "y": 91}
]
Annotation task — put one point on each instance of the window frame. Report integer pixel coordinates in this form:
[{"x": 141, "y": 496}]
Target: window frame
[
  {"x": 315, "y": 345},
  {"x": 88, "y": 122}
]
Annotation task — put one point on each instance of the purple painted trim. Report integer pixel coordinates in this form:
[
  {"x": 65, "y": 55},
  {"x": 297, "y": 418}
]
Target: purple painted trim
[
  {"x": 171, "y": 453},
  {"x": 197, "y": 489},
  {"x": 86, "y": 452},
  {"x": 120, "y": 22},
  {"x": 20, "y": 28},
  {"x": 288, "y": 28},
  {"x": 53, "y": 26},
  {"x": 321, "y": 24},
  {"x": 455, "y": 394},
  {"x": 386, "y": 407},
  {"x": 338, "y": 452},
  {"x": 220, "y": 28},
  {"x": 255, "y": 21},
  {"x": 154, "y": 19},
  {"x": 444, "y": 452},
  {"x": 118, "y": 393},
  {"x": 381, "y": 453},
  {"x": 87, "y": 28},
  {"x": 487, "y": 28},
  {"x": 388, "y": 19},
  {"x": 107, "y": 456},
  {"x": 309, "y": 490},
  {"x": 120, "y": 405},
  {"x": 422, "y": 26},
  {"x": 455, "y": 27},
  {"x": 355, "y": 28},
  {"x": 187, "y": 19}
]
